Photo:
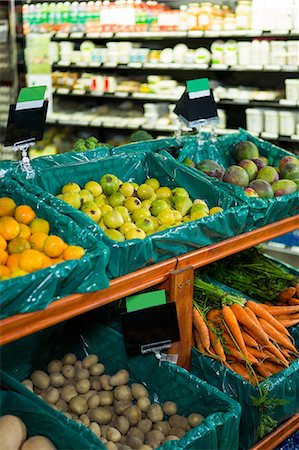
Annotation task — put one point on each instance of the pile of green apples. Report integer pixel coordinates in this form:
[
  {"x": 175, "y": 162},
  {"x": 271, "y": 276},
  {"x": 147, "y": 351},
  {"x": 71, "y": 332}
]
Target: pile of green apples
[{"x": 126, "y": 210}]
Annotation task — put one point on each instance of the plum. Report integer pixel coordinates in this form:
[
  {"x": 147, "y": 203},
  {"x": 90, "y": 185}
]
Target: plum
[
  {"x": 245, "y": 150},
  {"x": 250, "y": 167},
  {"x": 284, "y": 187},
  {"x": 236, "y": 175},
  {"x": 211, "y": 168},
  {"x": 268, "y": 174},
  {"x": 263, "y": 188}
]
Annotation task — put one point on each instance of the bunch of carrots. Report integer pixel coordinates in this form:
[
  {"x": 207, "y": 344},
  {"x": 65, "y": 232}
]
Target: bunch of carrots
[
  {"x": 249, "y": 338},
  {"x": 290, "y": 296}
]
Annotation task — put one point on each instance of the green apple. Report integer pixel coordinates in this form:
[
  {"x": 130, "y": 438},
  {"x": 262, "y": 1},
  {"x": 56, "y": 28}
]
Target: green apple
[
  {"x": 145, "y": 191},
  {"x": 147, "y": 225},
  {"x": 166, "y": 217},
  {"x": 140, "y": 213},
  {"x": 158, "y": 206},
  {"x": 70, "y": 187},
  {"x": 117, "y": 199},
  {"x": 72, "y": 198},
  {"x": 180, "y": 192},
  {"x": 101, "y": 200},
  {"x": 183, "y": 205},
  {"x": 154, "y": 183},
  {"x": 110, "y": 184},
  {"x": 163, "y": 192},
  {"x": 92, "y": 211},
  {"x": 199, "y": 208},
  {"x": 124, "y": 212},
  {"x": 113, "y": 219},
  {"x": 132, "y": 203},
  {"x": 86, "y": 196},
  {"x": 94, "y": 187},
  {"x": 127, "y": 189},
  {"x": 127, "y": 226},
  {"x": 115, "y": 235},
  {"x": 106, "y": 208},
  {"x": 138, "y": 233}
]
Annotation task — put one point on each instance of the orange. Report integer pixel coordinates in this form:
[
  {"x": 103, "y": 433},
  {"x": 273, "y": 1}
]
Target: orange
[
  {"x": 13, "y": 261},
  {"x": 24, "y": 214},
  {"x": 7, "y": 206},
  {"x": 18, "y": 245},
  {"x": 25, "y": 231},
  {"x": 53, "y": 246},
  {"x": 18, "y": 273},
  {"x": 56, "y": 260},
  {"x": 3, "y": 243},
  {"x": 31, "y": 260},
  {"x": 73, "y": 252},
  {"x": 3, "y": 256},
  {"x": 41, "y": 225},
  {"x": 37, "y": 240},
  {"x": 9, "y": 228},
  {"x": 4, "y": 272},
  {"x": 47, "y": 261}
]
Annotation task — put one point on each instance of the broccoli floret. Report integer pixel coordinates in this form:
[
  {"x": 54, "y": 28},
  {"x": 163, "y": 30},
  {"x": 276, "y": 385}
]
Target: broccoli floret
[
  {"x": 91, "y": 143},
  {"x": 140, "y": 135},
  {"x": 79, "y": 146}
]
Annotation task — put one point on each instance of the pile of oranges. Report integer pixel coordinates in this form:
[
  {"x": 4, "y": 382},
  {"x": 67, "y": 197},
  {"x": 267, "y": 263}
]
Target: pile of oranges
[{"x": 25, "y": 242}]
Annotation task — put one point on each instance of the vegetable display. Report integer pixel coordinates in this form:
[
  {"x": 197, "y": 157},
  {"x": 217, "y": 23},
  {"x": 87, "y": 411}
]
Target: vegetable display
[
  {"x": 82, "y": 145},
  {"x": 25, "y": 242},
  {"x": 122, "y": 416}
]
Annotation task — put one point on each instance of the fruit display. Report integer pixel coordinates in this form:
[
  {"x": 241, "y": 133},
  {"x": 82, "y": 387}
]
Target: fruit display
[
  {"x": 253, "y": 172},
  {"x": 119, "y": 413},
  {"x": 13, "y": 436},
  {"x": 26, "y": 244},
  {"x": 126, "y": 210}
]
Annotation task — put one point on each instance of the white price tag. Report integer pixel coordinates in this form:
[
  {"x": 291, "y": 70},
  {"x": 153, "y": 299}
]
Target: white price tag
[
  {"x": 79, "y": 92},
  {"x": 62, "y": 91},
  {"x": 76, "y": 35},
  {"x": 219, "y": 67},
  {"x": 110, "y": 65},
  {"x": 295, "y": 137},
  {"x": 63, "y": 63},
  {"x": 239, "y": 67},
  {"x": 255, "y": 67},
  {"x": 121, "y": 94},
  {"x": 272, "y": 67},
  {"x": 106, "y": 34},
  {"x": 266, "y": 135},
  {"x": 286, "y": 102},
  {"x": 93, "y": 35},
  {"x": 195, "y": 33},
  {"x": 81, "y": 64},
  {"x": 280, "y": 32},
  {"x": 61, "y": 35},
  {"x": 94, "y": 64},
  {"x": 136, "y": 65},
  {"x": 253, "y": 33},
  {"x": 290, "y": 68}
]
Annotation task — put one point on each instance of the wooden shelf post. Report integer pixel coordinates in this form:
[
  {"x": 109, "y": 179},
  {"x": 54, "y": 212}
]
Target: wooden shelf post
[{"x": 181, "y": 292}]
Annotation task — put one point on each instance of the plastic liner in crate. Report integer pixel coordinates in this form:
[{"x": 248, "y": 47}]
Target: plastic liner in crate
[
  {"x": 283, "y": 385},
  {"x": 262, "y": 211},
  {"x": 42, "y": 420},
  {"x": 37, "y": 290},
  {"x": 135, "y": 254},
  {"x": 82, "y": 336}
]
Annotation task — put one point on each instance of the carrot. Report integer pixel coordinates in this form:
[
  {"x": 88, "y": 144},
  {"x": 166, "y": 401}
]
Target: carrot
[
  {"x": 289, "y": 323},
  {"x": 198, "y": 342},
  {"x": 232, "y": 324},
  {"x": 279, "y": 310},
  {"x": 260, "y": 312},
  {"x": 287, "y": 317},
  {"x": 214, "y": 316},
  {"x": 257, "y": 353},
  {"x": 248, "y": 340},
  {"x": 277, "y": 337},
  {"x": 228, "y": 340},
  {"x": 286, "y": 294},
  {"x": 240, "y": 357},
  {"x": 263, "y": 370},
  {"x": 201, "y": 328},
  {"x": 252, "y": 315},
  {"x": 293, "y": 301},
  {"x": 240, "y": 369},
  {"x": 217, "y": 346}
]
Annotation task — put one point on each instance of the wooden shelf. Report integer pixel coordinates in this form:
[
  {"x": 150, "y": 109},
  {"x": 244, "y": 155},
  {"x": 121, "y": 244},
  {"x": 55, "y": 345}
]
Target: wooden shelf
[
  {"x": 21, "y": 325},
  {"x": 273, "y": 440}
]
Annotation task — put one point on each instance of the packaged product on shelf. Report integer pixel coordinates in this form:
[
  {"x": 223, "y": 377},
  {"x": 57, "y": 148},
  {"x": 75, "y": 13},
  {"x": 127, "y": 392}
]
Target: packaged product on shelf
[
  {"x": 163, "y": 239},
  {"x": 138, "y": 384},
  {"x": 41, "y": 259},
  {"x": 261, "y": 375}
]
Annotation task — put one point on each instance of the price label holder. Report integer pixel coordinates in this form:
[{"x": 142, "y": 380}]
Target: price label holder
[
  {"x": 26, "y": 123},
  {"x": 150, "y": 324}
]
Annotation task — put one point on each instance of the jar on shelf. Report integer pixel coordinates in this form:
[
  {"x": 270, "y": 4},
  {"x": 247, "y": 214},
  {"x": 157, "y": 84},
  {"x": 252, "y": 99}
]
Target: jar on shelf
[
  {"x": 192, "y": 19},
  {"x": 217, "y": 18},
  {"x": 229, "y": 22},
  {"x": 205, "y": 16},
  {"x": 243, "y": 15}
]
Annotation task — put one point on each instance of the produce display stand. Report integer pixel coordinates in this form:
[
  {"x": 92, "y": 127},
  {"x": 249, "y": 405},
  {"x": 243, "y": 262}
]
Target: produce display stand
[
  {"x": 174, "y": 275},
  {"x": 272, "y": 441}
]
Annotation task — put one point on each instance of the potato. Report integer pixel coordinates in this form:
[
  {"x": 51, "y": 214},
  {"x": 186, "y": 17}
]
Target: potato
[
  {"x": 122, "y": 424},
  {"x": 28, "y": 384},
  {"x": 89, "y": 394},
  {"x": 82, "y": 374},
  {"x": 97, "y": 369},
  {"x": 105, "y": 381},
  {"x": 68, "y": 371},
  {"x": 54, "y": 366},
  {"x": 12, "y": 432},
  {"x": 134, "y": 431},
  {"x": 154, "y": 438},
  {"x": 89, "y": 361},
  {"x": 57, "y": 379},
  {"x": 133, "y": 414},
  {"x": 93, "y": 401},
  {"x": 67, "y": 393},
  {"x": 69, "y": 358},
  {"x": 134, "y": 442},
  {"x": 172, "y": 438},
  {"x": 105, "y": 398},
  {"x": 95, "y": 428},
  {"x": 78, "y": 405},
  {"x": 103, "y": 440},
  {"x": 100, "y": 415},
  {"x": 120, "y": 406},
  {"x": 169, "y": 408},
  {"x": 145, "y": 425},
  {"x": 61, "y": 405},
  {"x": 95, "y": 383},
  {"x": 195, "y": 419},
  {"x": 85, "y": 419},
  {"x": 82, "y": 386},
  {"x": 179, "y": 432},
  {"x": 38, "y": 443},
  {"x": 52, "y": 395},
  {"x": 112, "y": 434},
  {"x": 123, "y": 393},
  {"x": 162, "y": 426},
  {"x": 124, "y": 440},
  {"x": 143, "y": 403},
  {"x": 67, "y": 414},
  {"x": 121, "y": 377},
  {"x": 104, "y": 429},
  {"x": 155, "y": 413},
  {"x": 146, "y": 447},
  {"x": 111, "y": 446},
  {"x": 40, "y": 379},
  {"x": 177, "y": 421},
  {"x": 78, "y": 365},
  {"x": 138, "y": 391}
]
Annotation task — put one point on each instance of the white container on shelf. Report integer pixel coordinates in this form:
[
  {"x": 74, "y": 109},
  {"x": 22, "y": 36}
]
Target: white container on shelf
[
  {"x": 295, "y": 24},
  {"x": 287, "y": 123},
  {"x": 231, "y": 53},
  {"x": 279, "y": 59},
  {"x": 292, "y": 59},
  {"x": 217, "y": 49},
  {"x": 271, "y": 121},
  {"x": 264, "y": 52},
  {"x": 244, "y": 53},
  {"x": 254, "y": 120},
  {"x": 292, "y": 89}
]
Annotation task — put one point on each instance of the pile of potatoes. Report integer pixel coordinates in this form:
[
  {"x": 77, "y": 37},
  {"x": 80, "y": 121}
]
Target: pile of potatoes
[
  {"x": 121, "y": 416},
  {"x": 13, "y": 434}
]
